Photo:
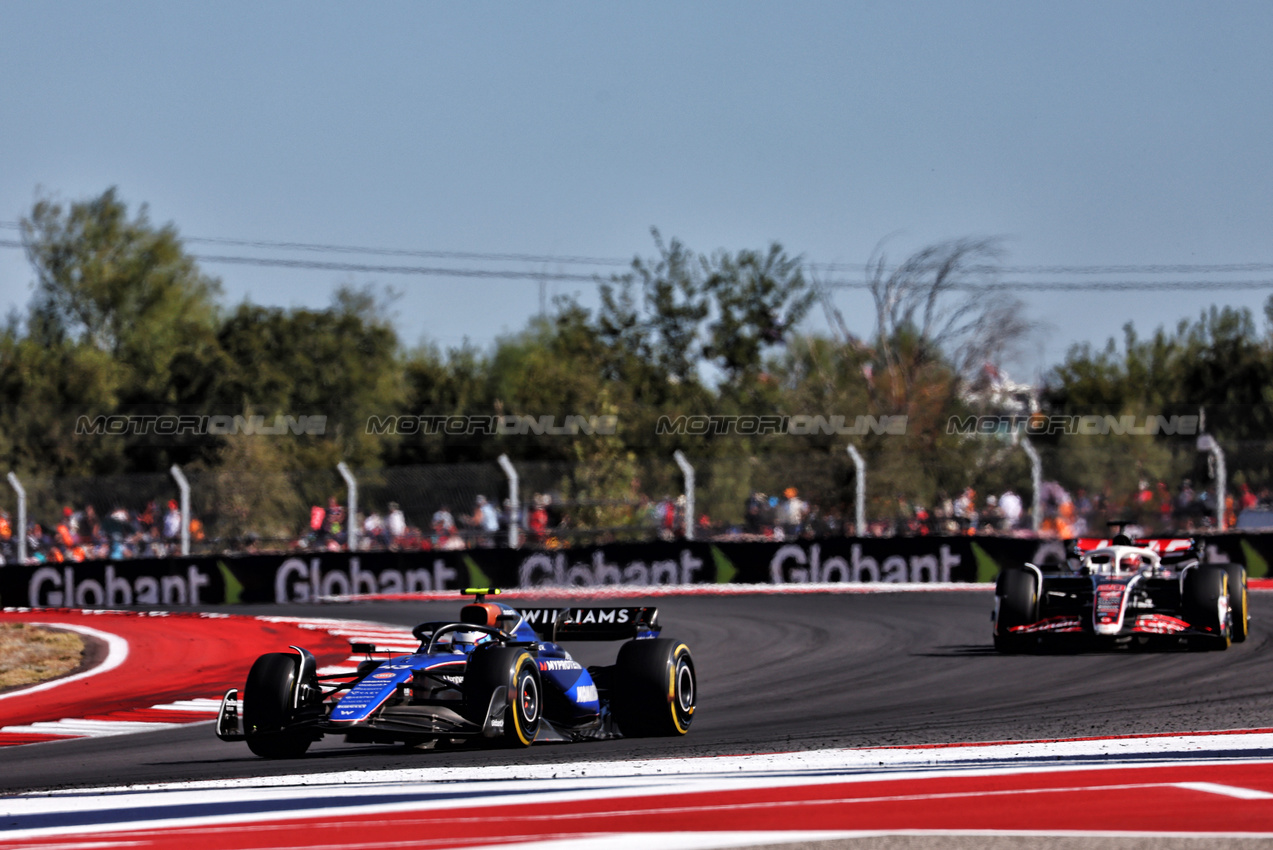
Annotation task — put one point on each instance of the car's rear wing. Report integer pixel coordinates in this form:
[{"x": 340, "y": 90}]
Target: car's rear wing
[
  {"x": 593, "y": 623},
  {"x": 1168, "y": 548}
]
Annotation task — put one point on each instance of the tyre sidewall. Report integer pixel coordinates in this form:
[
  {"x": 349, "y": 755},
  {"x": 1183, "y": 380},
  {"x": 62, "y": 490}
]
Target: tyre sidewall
[
  {"x": 1238, "y": 610},
  {"x": 267, "y": 707},
  {"x": 515, "y": 670},
  {"x": 1203, "y": 589},
  {"x": 656, "y": 688},
  {"x": 1017, "y": 604}
]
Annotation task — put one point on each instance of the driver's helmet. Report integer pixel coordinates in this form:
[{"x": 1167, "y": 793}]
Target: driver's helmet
[
  {"x": 468, "y": 641},
  {"x": 1131, "y": 562}
]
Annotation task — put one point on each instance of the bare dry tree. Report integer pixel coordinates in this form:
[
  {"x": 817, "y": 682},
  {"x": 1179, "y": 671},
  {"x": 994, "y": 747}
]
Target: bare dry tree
[{"x": 943, "y": 302}]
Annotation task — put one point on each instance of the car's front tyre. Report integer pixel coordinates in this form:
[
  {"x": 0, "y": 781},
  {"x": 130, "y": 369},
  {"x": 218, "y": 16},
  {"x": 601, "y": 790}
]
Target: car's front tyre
[
  {"x": 1239, "y": 616},
  {"x": 514, "y": 669},
  {"x": 1205, "y": 604},
  {"x": 268, "y": 708},
  {"x": 1016, "y": 604}
]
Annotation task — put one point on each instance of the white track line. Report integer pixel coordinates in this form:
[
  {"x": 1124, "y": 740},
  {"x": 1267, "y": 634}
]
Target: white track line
[{"x": 1225, "y": 790}]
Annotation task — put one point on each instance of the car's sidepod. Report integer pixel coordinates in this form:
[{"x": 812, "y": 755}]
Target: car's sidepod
[{"x": 369, "y": 694}]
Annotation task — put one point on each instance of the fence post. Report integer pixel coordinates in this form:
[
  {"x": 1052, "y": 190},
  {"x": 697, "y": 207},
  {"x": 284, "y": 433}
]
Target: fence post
[
  {"x": 859, "y": 512},
  {"x": 688, "y": 472},
  {"x": 1207, "y": 443},
  {"x": 184, "y": 486},
  {"x": 1036, "y": 480},
  {"x": 351, "y": 512},
  {"x": 514, "y": 506},
  {"x": 22, "y": 517}
]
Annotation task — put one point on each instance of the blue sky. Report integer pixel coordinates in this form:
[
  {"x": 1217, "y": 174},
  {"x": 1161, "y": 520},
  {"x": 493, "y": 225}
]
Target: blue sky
[{"x": 1129, "y": 133}]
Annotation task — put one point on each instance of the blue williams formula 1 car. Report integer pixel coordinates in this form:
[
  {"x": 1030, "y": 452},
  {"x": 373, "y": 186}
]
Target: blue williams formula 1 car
[
  {"x": 1123, "y": 593},
  {"x": 497, "y": 674}
]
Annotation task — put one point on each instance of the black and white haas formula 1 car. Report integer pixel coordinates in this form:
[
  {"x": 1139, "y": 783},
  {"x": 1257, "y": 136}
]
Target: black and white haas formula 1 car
[
  {"x": 497, "y": 674},
  {"x": 1122, "y": 593}
]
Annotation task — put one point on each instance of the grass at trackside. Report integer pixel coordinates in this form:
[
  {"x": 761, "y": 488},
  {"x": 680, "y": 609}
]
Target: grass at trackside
[{"x": 30, "y": 654}]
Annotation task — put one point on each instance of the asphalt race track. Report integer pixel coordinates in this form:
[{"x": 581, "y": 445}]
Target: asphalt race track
[{"x": 777, "y": 673}]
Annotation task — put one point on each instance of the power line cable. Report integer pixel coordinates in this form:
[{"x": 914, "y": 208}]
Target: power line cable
[
  {"x": 966, "y": 286},
  {"x": 371, "y": 268},
  {"x": 486, "y": 256},
  {"x": 1223, "y": 268}
]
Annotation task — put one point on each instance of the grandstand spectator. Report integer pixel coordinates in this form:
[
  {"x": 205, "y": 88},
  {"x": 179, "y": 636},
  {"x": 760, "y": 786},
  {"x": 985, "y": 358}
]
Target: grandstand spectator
[
  {"x": 665, "y": 516},
  {"x": 172, "y": 521},
  {"x": 148, "y": 519},
  {"x": 964, "y": 509},
  {"x": 508, "y": 516},
  {"x": 374, "y": 535},
  {"x": 442, "y": 518},
  {"x": 443, "y": 526},
  {"x": 1248, "y": 499},
  {"x": 90, "y": 529},
  {"x": 334, "y": 522},
  {"x": 754, "y": 513},
  {"x": 1010, "y": 504},
  {"x": 537, "y": 522},
  {"x": 486, "y": 521},
  {"x": 990, "y": 520},
  {"x": 791, "y": 513},
  {"x": 395, "y": 524},
  {"x": 62, "y": 534},
  {"x": 317, "y": 516}
]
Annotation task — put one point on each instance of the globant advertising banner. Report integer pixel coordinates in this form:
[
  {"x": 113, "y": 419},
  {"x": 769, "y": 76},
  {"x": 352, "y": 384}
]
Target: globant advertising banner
[{"x": 312, "y": 577}]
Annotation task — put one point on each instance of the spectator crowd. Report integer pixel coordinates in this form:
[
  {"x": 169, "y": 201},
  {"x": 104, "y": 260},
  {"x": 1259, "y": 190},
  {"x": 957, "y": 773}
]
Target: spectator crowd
[{"x": 81, "y": 534}]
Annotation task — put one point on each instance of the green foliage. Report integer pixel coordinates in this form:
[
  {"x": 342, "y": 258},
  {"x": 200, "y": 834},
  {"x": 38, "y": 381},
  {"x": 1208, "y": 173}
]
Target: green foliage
[
  {"x": 650, "y": 317},
  {"x": 1218, "y": 363},
  {"x": 758, "y": 298},
  {"x": 120, "y": 286}
]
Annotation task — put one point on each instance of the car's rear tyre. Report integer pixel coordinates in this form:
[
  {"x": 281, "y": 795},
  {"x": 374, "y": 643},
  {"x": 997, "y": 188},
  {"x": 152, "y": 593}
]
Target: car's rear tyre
[
  {"x": 1239, "y": 616},
  {"x": 1204, "y": 605},
  {"x": 1016, "y": 604},
  {"x": 267, "y": 708},
  {"x": 655, "y": 688},
  {"x": 515, "y": 670}
]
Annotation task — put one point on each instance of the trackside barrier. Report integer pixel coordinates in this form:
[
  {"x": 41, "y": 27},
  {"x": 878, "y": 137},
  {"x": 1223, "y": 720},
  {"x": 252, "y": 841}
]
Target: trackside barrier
[{"x": 319, "y": 576}]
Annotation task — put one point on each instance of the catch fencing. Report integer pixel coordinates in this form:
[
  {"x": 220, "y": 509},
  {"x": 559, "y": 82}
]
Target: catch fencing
[{"x": 624, "y": 499}]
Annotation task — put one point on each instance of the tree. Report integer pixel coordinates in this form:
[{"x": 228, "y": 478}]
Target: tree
[
  {"x": 1218, "y": 363},
  {"x": 936, "y": 308},
  {"x": 121, "y": 320},
  {"x": 651, "y": 315},
  {"x": 121, "y": 286},
  {"x": 342, "y": 362},
  {"x": 758, "y": 299}
]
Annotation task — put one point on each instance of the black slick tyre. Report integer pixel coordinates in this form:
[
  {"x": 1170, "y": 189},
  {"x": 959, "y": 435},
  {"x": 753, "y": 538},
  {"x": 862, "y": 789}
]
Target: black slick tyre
[
  {"x": 655, "y": 688},
  {"x": 1016, "y": 604},
  {"x": 1204, "y": 588},
  {"x": 267, "y": 708},
  {"x": 515, "y": 670},
  {"x": 1239, "y": 615}
]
